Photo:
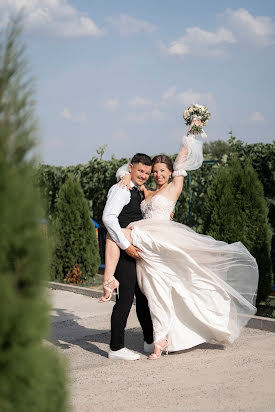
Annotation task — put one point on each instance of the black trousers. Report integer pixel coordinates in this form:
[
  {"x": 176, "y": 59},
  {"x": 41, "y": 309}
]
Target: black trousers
[{"x": 128, "y": 287}]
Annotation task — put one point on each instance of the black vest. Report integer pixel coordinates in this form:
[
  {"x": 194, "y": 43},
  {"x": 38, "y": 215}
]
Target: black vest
[{"x": 131, "y": 212}]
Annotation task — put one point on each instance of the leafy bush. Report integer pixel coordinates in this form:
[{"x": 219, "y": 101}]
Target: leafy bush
[
  {"x": 74, "y": 234},
  {"x": 236, "y": 210}
]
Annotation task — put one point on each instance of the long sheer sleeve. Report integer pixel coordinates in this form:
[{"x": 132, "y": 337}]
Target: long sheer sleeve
[
  {"x": 190, "y": 156},
  {"x": 122, "y": 171}
]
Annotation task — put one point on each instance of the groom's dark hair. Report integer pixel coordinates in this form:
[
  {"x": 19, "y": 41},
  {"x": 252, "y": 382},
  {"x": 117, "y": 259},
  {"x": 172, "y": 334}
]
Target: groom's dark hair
[{"x": 141, "y": 158}]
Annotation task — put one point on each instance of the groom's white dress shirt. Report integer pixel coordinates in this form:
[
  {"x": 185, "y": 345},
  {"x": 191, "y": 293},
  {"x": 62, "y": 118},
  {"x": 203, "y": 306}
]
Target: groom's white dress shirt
[{"x": 117, "y": 198}]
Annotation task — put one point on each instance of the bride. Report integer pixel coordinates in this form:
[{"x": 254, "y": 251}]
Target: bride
[{"x": 199, "y": 289}]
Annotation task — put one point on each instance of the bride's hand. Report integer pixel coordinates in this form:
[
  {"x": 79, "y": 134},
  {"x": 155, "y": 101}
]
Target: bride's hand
[
  {"x": 196, "y": 122},
  {"x": 125, "y": 181}
]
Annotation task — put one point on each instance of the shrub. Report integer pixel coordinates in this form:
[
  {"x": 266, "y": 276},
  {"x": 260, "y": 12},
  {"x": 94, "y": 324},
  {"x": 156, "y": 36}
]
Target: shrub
[
  {"x": 262, "y": 158},
  {"x": 31, "y": 374},
  {"x": 74, "y": 276},
  {"x": 235, "y": 210},
  {"x": 74, "y": 233}
]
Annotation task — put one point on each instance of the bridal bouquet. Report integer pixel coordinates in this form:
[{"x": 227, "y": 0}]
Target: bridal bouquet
[{"x": 196, "y": 116}]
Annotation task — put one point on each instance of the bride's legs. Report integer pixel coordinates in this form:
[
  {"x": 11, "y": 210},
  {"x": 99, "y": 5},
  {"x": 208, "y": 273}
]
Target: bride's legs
[{"x": 112, "y": 254}]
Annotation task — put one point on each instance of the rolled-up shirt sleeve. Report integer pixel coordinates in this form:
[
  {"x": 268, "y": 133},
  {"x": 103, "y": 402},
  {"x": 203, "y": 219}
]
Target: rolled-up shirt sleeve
[{"x": 116, "y": 200}]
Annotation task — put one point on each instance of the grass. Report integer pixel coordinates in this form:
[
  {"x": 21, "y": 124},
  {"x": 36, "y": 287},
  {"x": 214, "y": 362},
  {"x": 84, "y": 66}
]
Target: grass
[{"x": 96, "y": 282}]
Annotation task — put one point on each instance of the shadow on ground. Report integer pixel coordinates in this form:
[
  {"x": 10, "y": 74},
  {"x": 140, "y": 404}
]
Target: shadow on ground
[{"x": 66, "y": 331}]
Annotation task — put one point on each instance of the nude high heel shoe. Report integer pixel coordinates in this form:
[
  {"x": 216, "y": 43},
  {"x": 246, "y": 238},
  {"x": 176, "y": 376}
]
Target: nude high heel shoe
[
  {"x": 162, "y": 348},
  {"x": 106, "y": 287}
]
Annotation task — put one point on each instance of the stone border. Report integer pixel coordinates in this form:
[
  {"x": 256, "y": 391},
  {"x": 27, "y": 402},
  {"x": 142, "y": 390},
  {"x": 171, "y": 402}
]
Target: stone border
[
  {"x": 256, "y": 322},
  {"x": 81, "y": 290}
]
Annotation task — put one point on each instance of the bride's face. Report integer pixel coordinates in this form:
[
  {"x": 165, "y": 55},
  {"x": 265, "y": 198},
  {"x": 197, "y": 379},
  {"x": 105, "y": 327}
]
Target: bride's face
[{"x": 161, "y": 173}]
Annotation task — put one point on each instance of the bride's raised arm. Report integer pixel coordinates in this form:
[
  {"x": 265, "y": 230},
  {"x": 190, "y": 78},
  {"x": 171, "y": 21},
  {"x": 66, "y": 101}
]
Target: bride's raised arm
[{"x": 190, "y": 157}]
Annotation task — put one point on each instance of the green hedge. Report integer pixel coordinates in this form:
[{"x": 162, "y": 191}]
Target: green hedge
[
  {"x": 98, "y": 176},
  {"x": 95, "y": 178}
]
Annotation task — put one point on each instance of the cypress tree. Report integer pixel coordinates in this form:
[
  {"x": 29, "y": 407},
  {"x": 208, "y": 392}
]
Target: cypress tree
[
  {"x": 236, "y": 210},
  {"x": 74, "y": 233},
  {"x": 31, "y": 376}
]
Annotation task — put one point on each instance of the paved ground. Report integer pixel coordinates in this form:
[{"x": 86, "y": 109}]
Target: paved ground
[{"x": 208, "y": 378}]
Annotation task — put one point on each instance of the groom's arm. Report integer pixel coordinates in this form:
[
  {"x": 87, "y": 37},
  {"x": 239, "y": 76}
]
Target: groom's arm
[{"x": 116, "y": 200}]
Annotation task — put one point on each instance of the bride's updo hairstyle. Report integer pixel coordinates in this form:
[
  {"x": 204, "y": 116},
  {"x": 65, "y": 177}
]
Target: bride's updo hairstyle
[{"x": 162, "y": 158}]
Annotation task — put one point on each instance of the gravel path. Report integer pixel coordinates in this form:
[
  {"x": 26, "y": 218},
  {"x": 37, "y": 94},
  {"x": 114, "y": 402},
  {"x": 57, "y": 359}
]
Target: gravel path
[{"x": 240, "y": 377}]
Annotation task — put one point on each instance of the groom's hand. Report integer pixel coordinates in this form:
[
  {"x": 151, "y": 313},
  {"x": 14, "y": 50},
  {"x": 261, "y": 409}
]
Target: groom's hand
[{"x": 133, "y": 251}]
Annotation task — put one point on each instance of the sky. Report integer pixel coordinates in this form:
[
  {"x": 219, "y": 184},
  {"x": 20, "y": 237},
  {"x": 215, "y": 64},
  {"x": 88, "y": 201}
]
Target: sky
[{"x": 121, "y": 73}]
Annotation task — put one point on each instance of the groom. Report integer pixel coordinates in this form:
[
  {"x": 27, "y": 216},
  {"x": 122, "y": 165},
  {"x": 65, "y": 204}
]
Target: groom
[{"x": 123, "y": 207}]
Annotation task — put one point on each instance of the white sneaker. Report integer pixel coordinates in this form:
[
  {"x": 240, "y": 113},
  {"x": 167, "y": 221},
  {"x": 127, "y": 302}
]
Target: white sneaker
[
  {"x": 148, "y": 347},
  {"x": 123, "y": 354}
]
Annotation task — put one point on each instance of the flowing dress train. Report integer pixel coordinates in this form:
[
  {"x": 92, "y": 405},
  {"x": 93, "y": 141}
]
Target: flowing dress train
[{"x": 199, "y": 289}]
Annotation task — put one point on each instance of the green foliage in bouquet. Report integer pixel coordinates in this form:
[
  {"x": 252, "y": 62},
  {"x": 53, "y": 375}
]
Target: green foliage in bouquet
[
  {"x": 236, "y": 210},
  {"x": 74, "y": 234},
  {"x": 31, "y": 374}
]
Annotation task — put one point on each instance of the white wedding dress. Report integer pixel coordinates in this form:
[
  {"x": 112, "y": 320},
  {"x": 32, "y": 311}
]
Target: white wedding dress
[{"x": 199, "y": 289}]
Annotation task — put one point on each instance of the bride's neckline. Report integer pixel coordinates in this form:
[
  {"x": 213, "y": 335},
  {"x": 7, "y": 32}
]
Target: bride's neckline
[{"x": 158, "y": 194}]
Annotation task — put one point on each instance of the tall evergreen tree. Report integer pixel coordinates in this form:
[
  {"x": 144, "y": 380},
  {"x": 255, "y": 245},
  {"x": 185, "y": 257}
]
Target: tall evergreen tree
[
  {"x": 236, "y": 210},
  {"x": 31, "y": 376},
  {"x": 74, "y": 232}
]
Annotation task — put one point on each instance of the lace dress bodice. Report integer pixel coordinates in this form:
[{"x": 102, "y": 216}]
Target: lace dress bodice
[{"x": 158, "y": 207}]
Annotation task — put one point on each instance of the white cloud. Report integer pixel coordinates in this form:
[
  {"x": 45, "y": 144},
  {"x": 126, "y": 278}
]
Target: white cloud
[
  {"x": 111, "y": 104},
  {"x": 169, "y": 93},
  {"x": 257, "y": 30},
  {"x": 139, "y": 101},
  {"x": 188, "y": 97},
  {"x": 172, "y": 98},
  {"x": 120, "y": 136},
  {"x": 257, "y": 117},
  {"x": 127, "y": 25},
  {"x": 154, "y": 114},
  {"x": 76, "y": 118},
  {"x": 240, "y": 27},
  {"x": 198, "y": 42},
  {"x": 66, "y": 114},
  {"x": 51, "y": 17}
]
